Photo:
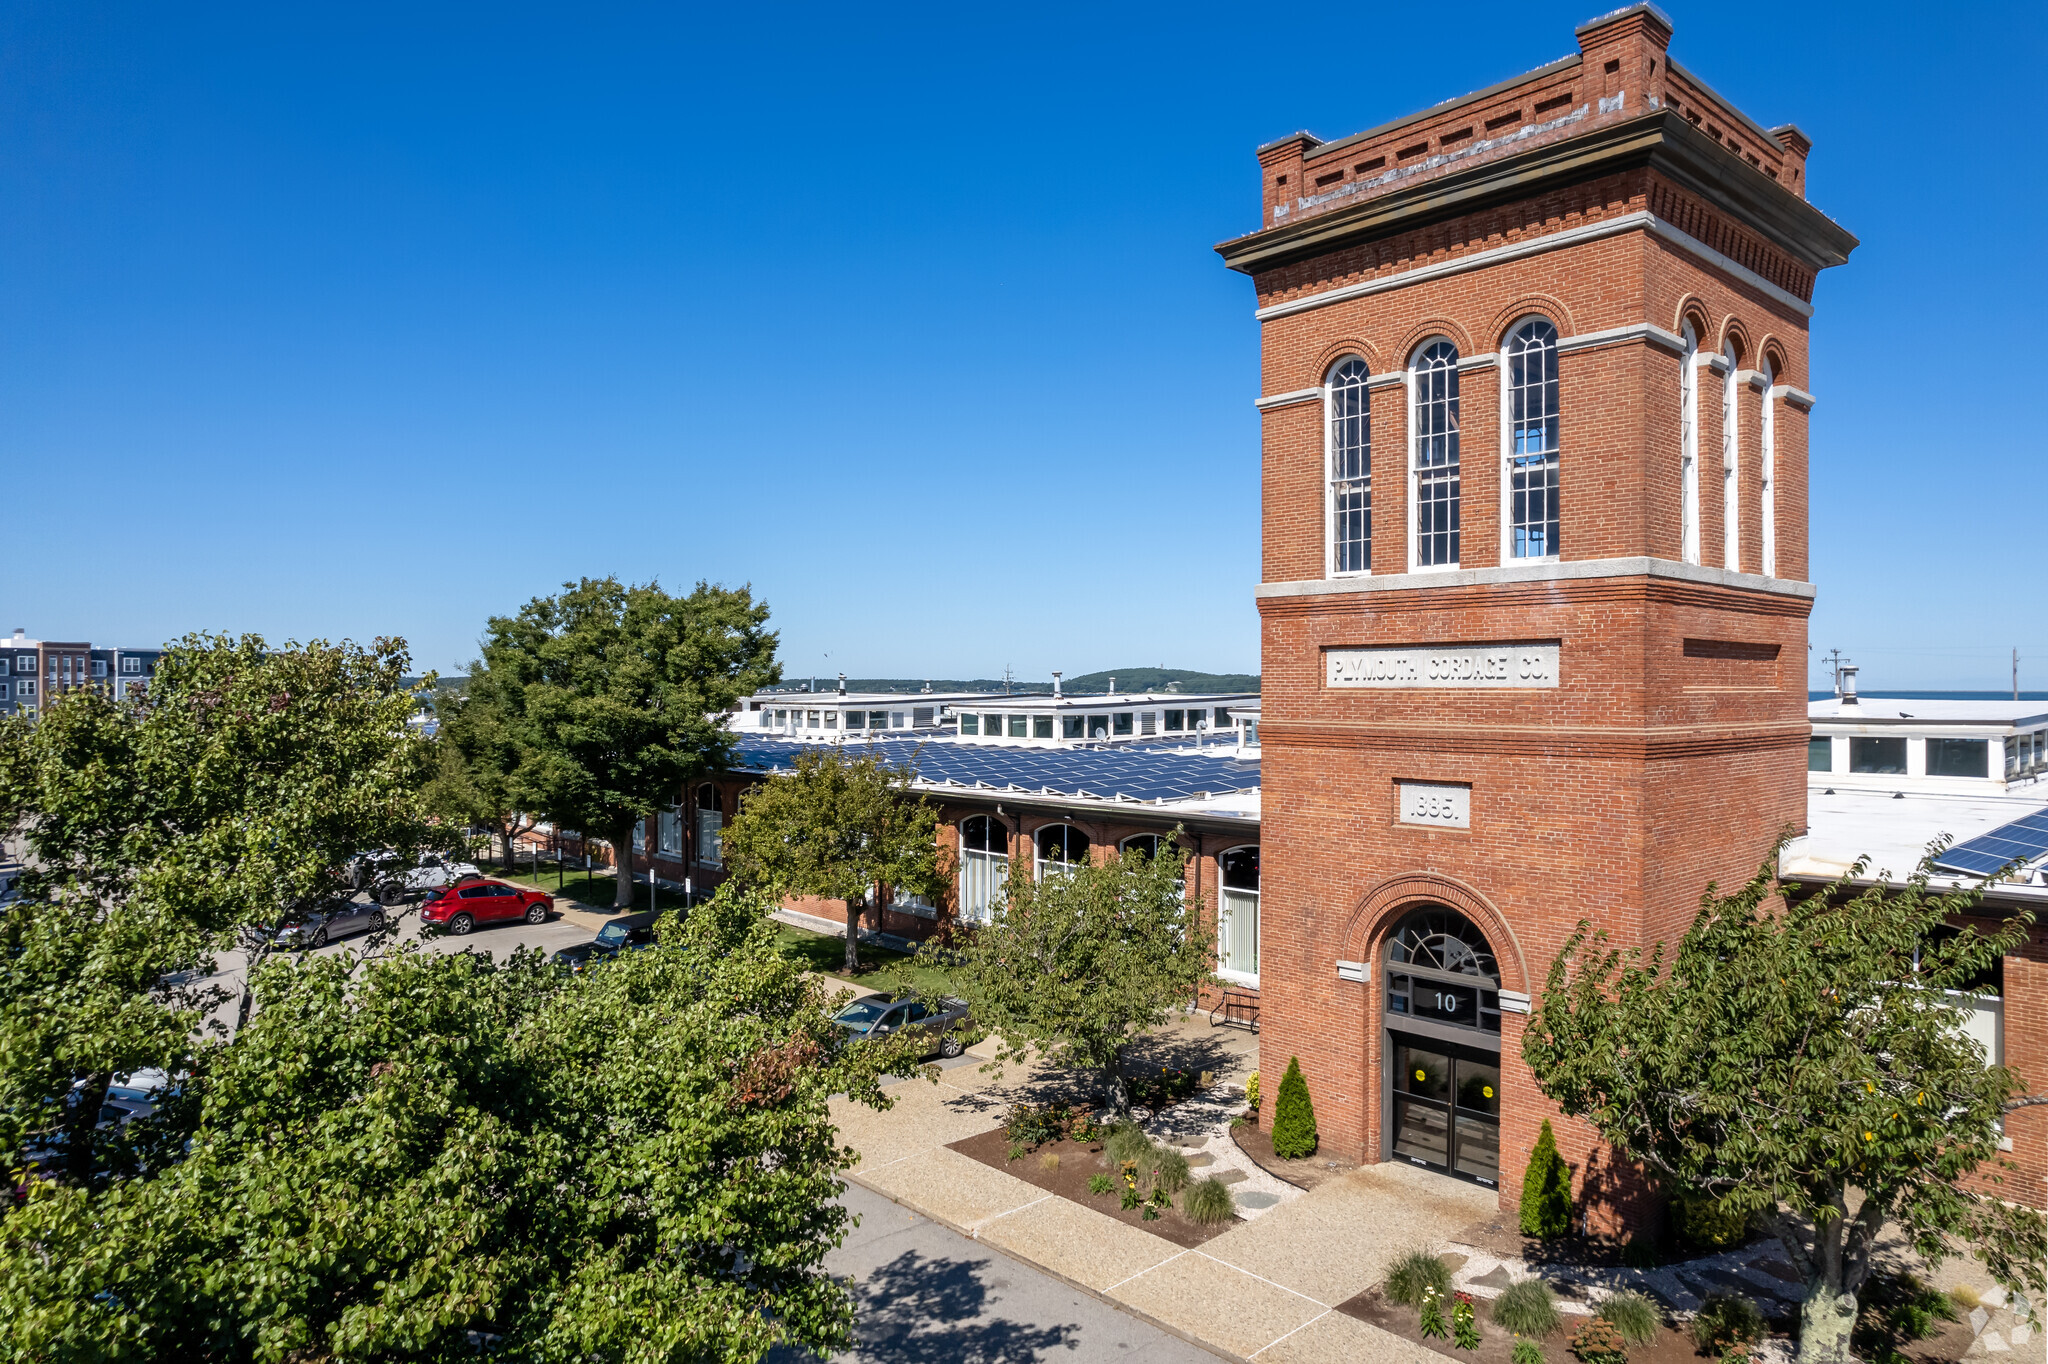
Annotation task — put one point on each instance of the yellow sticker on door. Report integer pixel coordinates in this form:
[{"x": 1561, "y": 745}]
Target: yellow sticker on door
[
  {"x": 1420, "y": 1076},
  {"x": 1487, "y": 1090}
]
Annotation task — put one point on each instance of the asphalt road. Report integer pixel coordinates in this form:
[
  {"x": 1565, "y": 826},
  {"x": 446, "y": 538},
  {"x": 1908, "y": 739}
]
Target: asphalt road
[{"x": 929, "y": 1295}]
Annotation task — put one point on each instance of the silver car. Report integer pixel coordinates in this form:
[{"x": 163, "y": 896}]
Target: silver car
[
  {"x": 880, "y": 1015},
  {"x": 315, "y": 927}
]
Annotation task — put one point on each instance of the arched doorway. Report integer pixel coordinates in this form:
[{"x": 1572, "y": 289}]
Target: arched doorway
[{"x": 1442, "y": 1095}]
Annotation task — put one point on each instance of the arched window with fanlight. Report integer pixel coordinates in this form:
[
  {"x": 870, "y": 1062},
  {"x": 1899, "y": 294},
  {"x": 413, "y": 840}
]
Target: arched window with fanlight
[
  {"x": 1767, "y": 450},
  {"x": 1060, "y": 846},
  {"x": 1237, "y": 915},
  {"x": 984, "y": 862},
  {"x": 1689, "y": 445},
  {"x": 1348, "y": 467},
  {"x": 1532, "y": 434},
  {"x": 1433, "y": 467},
  {"x": 1441, "y": 969}
]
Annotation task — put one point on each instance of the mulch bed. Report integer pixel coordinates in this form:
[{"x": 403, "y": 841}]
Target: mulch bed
[
  {"x": 1078, "y": 1161},
  {"x": 1305, "y": 1173},
  {"x": 1495, "y": 1343}
]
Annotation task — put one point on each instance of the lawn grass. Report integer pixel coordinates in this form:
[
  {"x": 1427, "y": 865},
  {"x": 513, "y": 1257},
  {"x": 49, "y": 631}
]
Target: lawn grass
[
  {"x": 826, "y": 953},
  {"x": 593, "y": 893}
]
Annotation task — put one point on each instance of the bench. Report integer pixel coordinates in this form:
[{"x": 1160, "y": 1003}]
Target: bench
[{"x": 1240, "y": 1007}]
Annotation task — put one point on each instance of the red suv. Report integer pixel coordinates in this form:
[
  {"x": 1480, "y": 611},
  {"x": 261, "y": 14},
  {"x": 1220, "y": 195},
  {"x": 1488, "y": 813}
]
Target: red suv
[{"x": 461, "y": 908}]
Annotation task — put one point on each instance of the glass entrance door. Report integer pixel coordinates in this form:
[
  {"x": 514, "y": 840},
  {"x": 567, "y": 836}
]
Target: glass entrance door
[{"x": 1446, "y": 1102}]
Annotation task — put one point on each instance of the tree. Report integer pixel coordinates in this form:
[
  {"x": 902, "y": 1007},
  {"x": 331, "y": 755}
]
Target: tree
[
  {"x": 478, "y": 761},
  {"x": 838, "y": 826},
  {"x": 1546, "y": 1189},
  {"x": 1086, "y": 960},
  {"x": 617, "y": 695},
  {"x": 1799, "y": 1058},
  {"x": 1294, "y": 1117},
  {"x": 231, "y": 794},
  {"x": 637, "y": 1163}
]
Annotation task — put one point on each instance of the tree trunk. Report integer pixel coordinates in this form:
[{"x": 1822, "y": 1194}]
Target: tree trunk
[
  {"x": 622, "y": 854},
  {"x": 1825, "y": 1319},
  {"x": 852, "y": 936},
  {"x": 1115, "y": 1091},
  {"x": 511, "y": 859},
  {"x": 79, "y": 1146}
]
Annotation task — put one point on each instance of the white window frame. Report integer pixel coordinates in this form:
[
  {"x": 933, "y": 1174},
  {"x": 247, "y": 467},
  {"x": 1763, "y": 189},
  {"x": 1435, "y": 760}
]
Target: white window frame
[
  {"x": 1330, "y": 477},
  {"x": 1225, "y": 909},
  {"x": 1731, "y": 462},
  {"x": 1409, "y": 377},
  {"x": 668, "y": 833},
  {"x": 25, "y": 688},
  {"x": 1040, "y": 864},
  {"x": 710, "y": 838},
  {"x": 1507, "y": 445},
  {"x": 131, "y": 666},
  {"x": 1767, "y": 441},
  {"x": 1689, "y": 447},
  {"x": 982, "y": 874}
]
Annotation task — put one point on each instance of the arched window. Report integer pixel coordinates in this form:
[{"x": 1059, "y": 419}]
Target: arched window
[
  {"x": 1731, "y": 461},
  {"x": 1441, "y": 969},
  {"x": 1349, "y": 467},
  {"x": 1059, "y": 847},
  {"x": 1689, "y": 446},
  {"x": 1767, "y": 441},
  {"x": 710, "y": 827},
  {"x": 984, "y": 862},
  {"x": 1433, "y": 474},
  {"x": 1532, "y": 435},
  {"x": 1237, "y": 915},
  {"x": 1145, "y": 845}
]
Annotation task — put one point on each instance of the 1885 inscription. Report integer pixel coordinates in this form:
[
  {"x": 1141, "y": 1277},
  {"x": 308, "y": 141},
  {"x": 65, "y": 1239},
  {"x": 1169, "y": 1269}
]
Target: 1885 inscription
[{"x": 1444, "y": 665}]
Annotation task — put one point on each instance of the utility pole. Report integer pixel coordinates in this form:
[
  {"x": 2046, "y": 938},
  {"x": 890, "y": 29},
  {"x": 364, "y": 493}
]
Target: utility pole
[
  {"x": 2015, "y": 672},
  {"x": 1834, "y": 657}
]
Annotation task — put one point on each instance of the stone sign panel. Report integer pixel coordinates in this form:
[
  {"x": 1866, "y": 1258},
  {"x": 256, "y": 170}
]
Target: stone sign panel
[
  {"x": 1444, "y": 665},
  {"x": 1441, "y": 805}
]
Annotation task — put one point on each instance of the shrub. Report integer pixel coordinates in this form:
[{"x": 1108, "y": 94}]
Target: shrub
[
  {"x": 1639, "y": 1253},
  {"x": 1016, "y": 1151},
  {"x": 1049, "y": 1161},
  {"x": 1706, "y": 1222},
  {"x": 1897, "y": 1309},
  {"x": 1251, "y": 1090},
  {"x": 1525, "y": 1352},
  {"x": 1414, "y": 1272},
  {"x": 1597, "y": 1342},
  {"x": 1527, "y": 1308},
  {"x": 1294, "y": 1117},
  {"x": 1171, "y": 1174},
  {"x": 1032, "y": 1125},
  {"x": 1100, "y": 1184},
  {"x": 1725, "y": 1320},
  {"x": 1546, "y": 1189},
  {"x": 1157, "y": 1091},
  {"x": 1208, "y": 1202},
  {"x": 1126, "y": 1142},
  {"x": 1632, "y": 1314},
  {"x": 1965, "y": 1297}
]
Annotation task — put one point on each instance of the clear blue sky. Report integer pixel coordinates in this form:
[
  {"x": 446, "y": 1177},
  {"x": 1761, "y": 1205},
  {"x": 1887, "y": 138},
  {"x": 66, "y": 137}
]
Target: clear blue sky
[{"x": 382, "y": 319}]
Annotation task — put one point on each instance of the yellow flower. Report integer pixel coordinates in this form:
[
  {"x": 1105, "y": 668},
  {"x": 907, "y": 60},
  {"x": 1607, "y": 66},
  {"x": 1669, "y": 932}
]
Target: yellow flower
[{"x": 1868, "y": 1137}]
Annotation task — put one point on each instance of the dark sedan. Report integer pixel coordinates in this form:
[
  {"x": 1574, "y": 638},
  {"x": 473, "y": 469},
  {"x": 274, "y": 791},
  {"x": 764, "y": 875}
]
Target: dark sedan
[
  {"x": 627, "y": 933},
  {"x": 880, "y": 1015}
]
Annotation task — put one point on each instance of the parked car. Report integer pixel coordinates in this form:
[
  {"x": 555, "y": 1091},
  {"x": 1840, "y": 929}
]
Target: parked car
[
  {"x": 313, "y": 927},
  {"x": 880, "y": 1015},
  {"x": 627, "y": 933},
  {"x": 389, "y": 881},
  {"x": 461, "y": 907}
]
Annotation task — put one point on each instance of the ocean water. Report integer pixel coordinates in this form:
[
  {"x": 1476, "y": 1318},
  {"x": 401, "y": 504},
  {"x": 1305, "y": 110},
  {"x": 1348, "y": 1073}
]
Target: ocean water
[{"x": 1824, "y": 693}]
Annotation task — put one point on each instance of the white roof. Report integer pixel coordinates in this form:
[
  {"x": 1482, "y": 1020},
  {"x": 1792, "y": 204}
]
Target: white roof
[
  {"x": 833, "y": 697},
  {"x": 1104, "y": 701},
  {"x": 1892, "y": 710},
  {"x": 1893, "y": 831}
]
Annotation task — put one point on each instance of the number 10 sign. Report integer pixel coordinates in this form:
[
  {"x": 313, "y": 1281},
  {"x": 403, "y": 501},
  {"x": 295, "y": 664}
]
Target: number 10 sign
[{"x": 1442, "y": 805}]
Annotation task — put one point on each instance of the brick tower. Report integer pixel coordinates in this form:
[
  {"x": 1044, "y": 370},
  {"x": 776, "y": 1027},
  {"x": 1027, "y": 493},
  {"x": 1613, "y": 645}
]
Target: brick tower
[{"x": 1535, "y": 570}]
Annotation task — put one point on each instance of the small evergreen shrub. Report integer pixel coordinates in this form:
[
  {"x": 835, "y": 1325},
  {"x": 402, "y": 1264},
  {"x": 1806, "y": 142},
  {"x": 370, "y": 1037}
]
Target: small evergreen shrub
[
  {"x": 1527, "y": 1308},
  {"x": 1632, "y": 1314},
  {"x": 1597, "y": 1342},
  {"x": 1251, "y": 1090},
  {"x": 1706, "y": 1223},
  {"x": 1208, "y": 1202},
  {"x": 1294, "y": 1117},
  {"x": 1170, "y": 1175},
  {"x": 1725, "y": 1320},
  {"x": 1414, "y": 1273},
  {"x": 1525, "y": 1352},
  {"x": 1100, "y": 1184},
  {"x": 1546, "y": 1189}
]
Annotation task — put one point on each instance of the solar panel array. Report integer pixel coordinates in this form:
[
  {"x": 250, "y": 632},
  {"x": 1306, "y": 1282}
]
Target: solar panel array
[
  {"x": 1132, "y": 773},
  {"x": 2022, "y": 840}
]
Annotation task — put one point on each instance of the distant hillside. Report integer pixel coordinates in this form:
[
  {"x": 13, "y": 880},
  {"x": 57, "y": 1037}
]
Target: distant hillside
[{"x": 1127, "y": 680}]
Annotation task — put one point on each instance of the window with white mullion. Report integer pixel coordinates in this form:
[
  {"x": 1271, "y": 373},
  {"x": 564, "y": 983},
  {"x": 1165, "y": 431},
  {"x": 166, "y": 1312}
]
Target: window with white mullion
[
  {"x": 1689, "y": 448},
  {"x": 1767, "y": 439},
  {"x": 1433, "y": 466},
  {"x": 1731, "y": 463},
  {"x": 1532, "y": 441},
  {"x": 1348, "y": 467}
]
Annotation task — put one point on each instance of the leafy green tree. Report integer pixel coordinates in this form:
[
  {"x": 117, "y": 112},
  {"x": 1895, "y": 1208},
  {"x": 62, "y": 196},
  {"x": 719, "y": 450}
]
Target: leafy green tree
[
  {"x": 637, "y": 1163},
  {"x": 232, "y": 793},
  {"x": 1294, "y": 1116},
  {"x": 1083, "y": 962},
  {"x": 1800, "y": 1057},
  {"x": 1546, "y": 1188},
  {"x": 838, "y": 826},
  {"x": 615, "y": 696},
  {"x": 478, "y": 758}
]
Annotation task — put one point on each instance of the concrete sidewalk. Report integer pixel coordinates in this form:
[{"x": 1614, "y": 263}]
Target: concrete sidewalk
[{"x": 1264, "y": 1290}]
